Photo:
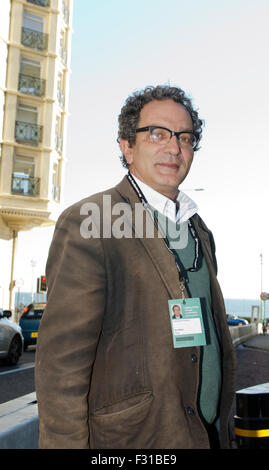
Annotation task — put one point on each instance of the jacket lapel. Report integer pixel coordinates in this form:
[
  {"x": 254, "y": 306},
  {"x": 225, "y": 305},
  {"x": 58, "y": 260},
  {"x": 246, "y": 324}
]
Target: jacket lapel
[{"x": 155, "y": 247}]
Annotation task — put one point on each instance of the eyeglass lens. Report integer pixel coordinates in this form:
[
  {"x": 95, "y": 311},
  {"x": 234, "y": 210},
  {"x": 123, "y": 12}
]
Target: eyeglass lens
[{"x": 162, "y": 136}]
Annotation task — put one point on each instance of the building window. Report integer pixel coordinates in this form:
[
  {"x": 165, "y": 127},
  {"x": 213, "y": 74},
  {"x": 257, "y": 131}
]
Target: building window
[
  {"x": 24, "y": 182},
  {"x": 56, "y": 189},
  {"x": 27, "y": 130},
  {"x": 41, "y": 3},
  {"x": 65, "y": 11},
  {"x": 58, "y": 135},
  {"x": 32, "y": 32},
  {"x": 60, "y": 90},
  {"x": 63, "y": 49},
  {"x": 33, "y": 22},
  {"x": 29, "y": 78}
]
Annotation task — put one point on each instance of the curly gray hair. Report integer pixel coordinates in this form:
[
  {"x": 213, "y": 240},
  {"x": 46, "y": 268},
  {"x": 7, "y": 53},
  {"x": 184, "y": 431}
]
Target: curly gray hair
[{"x": 130, "y": 112}]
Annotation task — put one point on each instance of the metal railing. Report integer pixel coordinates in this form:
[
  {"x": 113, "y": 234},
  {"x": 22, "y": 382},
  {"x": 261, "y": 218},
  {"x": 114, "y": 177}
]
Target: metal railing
[
  {"x": 65, "y": 11},
  {"x": 34, "y": 39},
  {"x": 63, "y": 54},
  {"x": 28, "y": 133},
  {"x": 25, "y": 185},
  {"x": 56, "y": 192},
  {"x": 31, "y": 85},
  {"x": 58, "y": 143},
  {"x": 61, "y": 97}
]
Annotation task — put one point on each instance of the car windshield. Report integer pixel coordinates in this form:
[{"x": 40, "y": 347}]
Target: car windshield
[{"x": 34, "y": 311}]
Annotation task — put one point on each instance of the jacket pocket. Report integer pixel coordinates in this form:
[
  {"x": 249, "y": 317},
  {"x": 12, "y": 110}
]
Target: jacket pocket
[{"x": 121, "y": 425}]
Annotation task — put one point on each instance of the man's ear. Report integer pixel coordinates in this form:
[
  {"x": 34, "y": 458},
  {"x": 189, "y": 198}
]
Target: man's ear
[{"x": 126, "y": 150}]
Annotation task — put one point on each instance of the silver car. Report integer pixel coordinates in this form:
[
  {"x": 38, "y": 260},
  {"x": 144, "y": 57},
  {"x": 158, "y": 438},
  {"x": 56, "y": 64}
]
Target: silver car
[{"x": 11, "y": 339}]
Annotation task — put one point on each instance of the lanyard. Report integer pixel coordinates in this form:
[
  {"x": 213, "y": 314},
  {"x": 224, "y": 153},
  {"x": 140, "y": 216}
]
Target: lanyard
[{"x": 166, "y": 241}]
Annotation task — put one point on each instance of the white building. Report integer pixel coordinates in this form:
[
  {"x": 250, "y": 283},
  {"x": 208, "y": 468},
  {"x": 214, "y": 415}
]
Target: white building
[{"x": 35, "y": 50}]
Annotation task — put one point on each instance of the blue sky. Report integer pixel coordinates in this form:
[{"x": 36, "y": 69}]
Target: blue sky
[{"x": 217, "y": 51}]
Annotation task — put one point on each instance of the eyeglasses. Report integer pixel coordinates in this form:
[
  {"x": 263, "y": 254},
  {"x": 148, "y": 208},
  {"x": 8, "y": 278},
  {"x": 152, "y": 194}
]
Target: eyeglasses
[{"x": 162, "y": 136}]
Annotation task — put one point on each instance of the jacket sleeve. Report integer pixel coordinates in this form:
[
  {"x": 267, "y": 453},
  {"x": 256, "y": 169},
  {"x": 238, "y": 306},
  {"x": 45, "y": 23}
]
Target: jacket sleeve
[{"x": 69, "y": 334}]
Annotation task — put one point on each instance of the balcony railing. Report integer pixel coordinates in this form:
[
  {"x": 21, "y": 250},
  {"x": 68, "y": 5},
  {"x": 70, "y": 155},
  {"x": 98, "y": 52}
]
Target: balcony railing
[
  {"x": 63, "y": 54},
  {"x": 65, "y": 12},
  {"x": 31, "y": 85},
  {"x": 28, "y": 133},
  {"x": 41, "y": 3},
  {"x": 34, "y": 39},
  {"x": 60, "y": 97},
  {"x": 58, "y": 143},
  {"x": 56, "y": 191},
  {"x": 25, "y": 185}
]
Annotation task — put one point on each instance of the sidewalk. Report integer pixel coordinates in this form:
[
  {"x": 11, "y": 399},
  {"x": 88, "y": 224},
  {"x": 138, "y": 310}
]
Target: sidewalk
[{"x": 258, "y": 342}]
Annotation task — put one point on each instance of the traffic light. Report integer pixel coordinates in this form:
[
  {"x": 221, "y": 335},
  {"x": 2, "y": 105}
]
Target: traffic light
[{"x": 42, "y": 284}]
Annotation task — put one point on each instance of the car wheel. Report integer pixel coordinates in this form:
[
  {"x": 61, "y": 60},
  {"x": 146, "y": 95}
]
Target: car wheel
[{"x": 15, "y": 350}]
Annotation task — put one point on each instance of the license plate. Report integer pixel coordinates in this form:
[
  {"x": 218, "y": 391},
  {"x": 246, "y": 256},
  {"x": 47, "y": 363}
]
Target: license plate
[{"x": 34, "y": 334}]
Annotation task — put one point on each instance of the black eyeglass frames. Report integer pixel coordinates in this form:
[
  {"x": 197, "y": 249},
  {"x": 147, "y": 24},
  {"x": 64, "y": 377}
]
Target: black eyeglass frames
[{"x": 162, "y": 135}]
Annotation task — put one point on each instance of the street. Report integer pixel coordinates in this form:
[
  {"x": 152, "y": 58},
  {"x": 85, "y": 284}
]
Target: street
[{"x": 16, "y": 381}]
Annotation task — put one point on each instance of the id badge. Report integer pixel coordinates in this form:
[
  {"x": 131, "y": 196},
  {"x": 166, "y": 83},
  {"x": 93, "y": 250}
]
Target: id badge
[{"x": 187, "y": 322}]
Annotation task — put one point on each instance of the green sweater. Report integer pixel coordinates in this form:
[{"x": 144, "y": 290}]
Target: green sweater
[{"x": 198, "y": 285}]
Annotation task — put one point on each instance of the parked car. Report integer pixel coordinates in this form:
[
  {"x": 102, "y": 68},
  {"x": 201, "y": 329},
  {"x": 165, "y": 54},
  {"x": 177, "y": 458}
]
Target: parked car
[
  {"x": 234, "y": 320},
  {"x": 11, "y": 339},
  {"x": 29, "y": 322}
]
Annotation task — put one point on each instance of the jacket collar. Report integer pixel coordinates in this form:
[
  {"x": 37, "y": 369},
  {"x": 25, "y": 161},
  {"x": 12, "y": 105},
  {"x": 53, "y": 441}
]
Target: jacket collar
[{"x": 186, "y": 206}]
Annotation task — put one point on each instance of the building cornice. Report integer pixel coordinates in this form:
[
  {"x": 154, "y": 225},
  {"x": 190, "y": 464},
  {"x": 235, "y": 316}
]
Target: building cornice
[
  {"x": 25, "y": 213},
  {"x": 43, "y": 54},
  {"x": 28, "y": 148}
]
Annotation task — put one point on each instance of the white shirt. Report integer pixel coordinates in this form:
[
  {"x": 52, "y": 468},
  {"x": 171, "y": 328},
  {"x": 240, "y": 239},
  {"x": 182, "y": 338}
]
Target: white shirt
[{"x": 167, "y": 207}]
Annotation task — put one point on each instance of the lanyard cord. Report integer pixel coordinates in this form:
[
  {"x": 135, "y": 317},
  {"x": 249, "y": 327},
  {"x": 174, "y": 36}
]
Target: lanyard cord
[{"x": 166, "y": 241}]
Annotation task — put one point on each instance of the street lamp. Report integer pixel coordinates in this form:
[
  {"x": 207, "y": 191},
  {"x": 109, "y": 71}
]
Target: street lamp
[{"x": 33, "y": 263}]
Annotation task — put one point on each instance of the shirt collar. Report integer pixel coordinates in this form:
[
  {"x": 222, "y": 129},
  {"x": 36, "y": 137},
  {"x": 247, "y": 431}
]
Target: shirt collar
[{"x": 167, "y": 207}]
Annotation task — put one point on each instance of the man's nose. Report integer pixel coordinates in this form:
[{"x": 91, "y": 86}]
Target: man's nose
[{"x": 173, "y": 146}]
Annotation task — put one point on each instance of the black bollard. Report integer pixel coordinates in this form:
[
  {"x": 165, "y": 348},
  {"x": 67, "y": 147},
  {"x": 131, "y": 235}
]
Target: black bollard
[{"x": 251, "y": 423}]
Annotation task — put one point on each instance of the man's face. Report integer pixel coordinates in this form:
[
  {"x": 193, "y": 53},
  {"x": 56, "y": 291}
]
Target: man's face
[
  {"x": 163, "y": 167},
  {"x": 177, "y": 311}
]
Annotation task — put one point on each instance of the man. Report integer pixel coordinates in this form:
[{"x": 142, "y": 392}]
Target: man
[
  {"x": 110, "y": 371},
  {"x": 176, "y": 312}
]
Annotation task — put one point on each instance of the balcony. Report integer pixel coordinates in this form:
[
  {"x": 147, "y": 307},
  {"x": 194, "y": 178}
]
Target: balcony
[
  {"x": 25, "y": 185},
  {"x": 58, "y": 143},
  {"x": 41, "y": 3},
  {"x": 65, "y": 10},
  {"x": 61, "y": 97},
  {"x": 31, "y": 85},
  {"x": 34, "y": 39},
  {"x": 56, "y": 191},
  {"x": 28, "y": 133},
  {"x": 63, "y": 54}
]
